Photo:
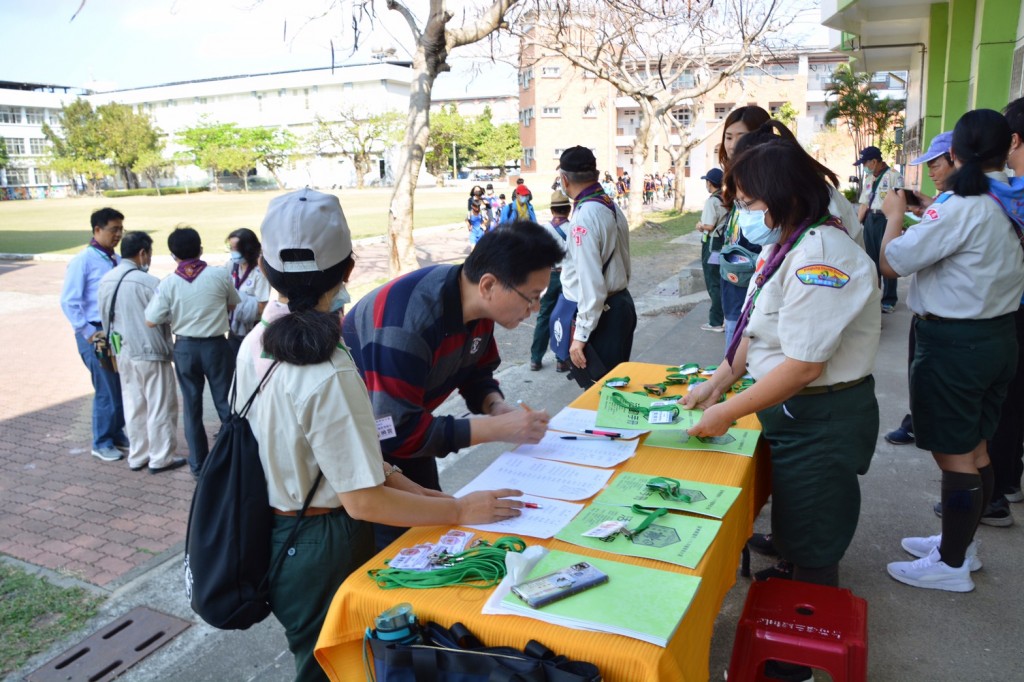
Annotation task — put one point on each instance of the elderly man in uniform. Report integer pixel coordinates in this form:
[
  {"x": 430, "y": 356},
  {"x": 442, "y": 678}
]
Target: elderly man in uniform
[
  {"x": 80, "y": 303},
  {"x": 143, "y": 358},
  {"x": 595, "y": 275},
  {"x": 880, "y": 179}
]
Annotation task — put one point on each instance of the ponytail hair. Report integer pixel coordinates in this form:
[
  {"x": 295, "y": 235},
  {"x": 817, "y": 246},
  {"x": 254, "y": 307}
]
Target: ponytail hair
[
  {"x": 772, "y": 130},
  {"x": 305, "y": 336},
  {"x": 981, "y": 141}
]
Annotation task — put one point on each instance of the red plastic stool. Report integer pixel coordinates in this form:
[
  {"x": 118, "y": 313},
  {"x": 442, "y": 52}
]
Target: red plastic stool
[{"x": 802, "y": 623}]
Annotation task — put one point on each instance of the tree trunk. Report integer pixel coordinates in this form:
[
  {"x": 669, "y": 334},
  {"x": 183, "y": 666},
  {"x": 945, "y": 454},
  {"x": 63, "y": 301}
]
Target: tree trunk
[
  {"x": 362, "y": 164},
  {"x": 245, "y": 181},
  {"x": 401, "y": 249},
  {"x": 679, "y": 182},
  {"x": 635, "y": 210}
]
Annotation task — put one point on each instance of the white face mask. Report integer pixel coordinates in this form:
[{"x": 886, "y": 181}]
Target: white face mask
[
  {"x": 236, "y": 257},
  {"x": 754, "y": 228},
  {"x": 341, "y": 299},
  {"x": 144, "y": 267}
]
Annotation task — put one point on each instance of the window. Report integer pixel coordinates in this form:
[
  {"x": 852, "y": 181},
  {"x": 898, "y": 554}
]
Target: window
[
  {"x": 773, "y": 108},
  {"x": 589, "y": 74},
  {"x": 722, "y": 110},
  {"x": 558, "y": 152},
  {"x": 42, "y": 176},
  {"x": 525, "y": 77},
  {"x": 551, "y": 112},
  {"x": 525, "y": 116},
  {"x": 172, "y": 103},
  {"x": 590, "y": 111},
  {"x": 683, "y": 81},
  {"x": 527, "y": 157},
  {"x": 10, "y": 115},
  {"x": 15, "y": 145},
  {"x": 37, "y": 145},
  {"x": 683, "y": 116},
  {"x": 550, "y": 71},
  {"x": 198, "y": 100},
  {"x": 35, "y": 116},
  {"x": 17, "y": 176}
]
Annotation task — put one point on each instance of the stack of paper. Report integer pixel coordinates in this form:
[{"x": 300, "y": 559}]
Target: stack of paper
[
  {"x": 595, "y": 452},
  {"x": 612, "y": 415},
  {"x": 638, "y": 602},
  {"x": 706, "y": 499},
  {"x": 577, "y": 421},
  {"x": 734, "y": 442}
]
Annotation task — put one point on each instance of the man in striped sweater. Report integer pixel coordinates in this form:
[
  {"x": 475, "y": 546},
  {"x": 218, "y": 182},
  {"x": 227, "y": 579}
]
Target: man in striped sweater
[{"x": 426, "y": 334}]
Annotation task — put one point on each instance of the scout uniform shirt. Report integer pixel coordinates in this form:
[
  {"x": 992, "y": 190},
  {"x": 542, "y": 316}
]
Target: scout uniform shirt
[
  {"x": 886, "y": 181},
  {"x": 197, "y": 309},
  {"x": 597, "y": 234},
  {"x": 821, "y": 305},
  {"x": 965, "y": 256}
]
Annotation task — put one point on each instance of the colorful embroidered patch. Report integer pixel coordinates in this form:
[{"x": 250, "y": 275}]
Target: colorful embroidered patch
[
  {"x": 823, "y": 276},
  {"x": 932, "y": 214},
  {"x": 732, "y": 277}
]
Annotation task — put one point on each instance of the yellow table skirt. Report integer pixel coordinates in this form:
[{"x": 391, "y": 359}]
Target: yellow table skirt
[{"x": 620, "y": 659}]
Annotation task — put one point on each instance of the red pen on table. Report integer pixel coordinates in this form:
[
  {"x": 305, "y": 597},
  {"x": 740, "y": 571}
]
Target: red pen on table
[
  {"x": 610, "y": 434},
  {"x": 531, "y": 505}
]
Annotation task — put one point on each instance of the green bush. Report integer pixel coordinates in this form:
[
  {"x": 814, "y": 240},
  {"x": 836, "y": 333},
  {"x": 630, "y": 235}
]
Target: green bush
[
  {"x": 852, "y": 195},
  {"x": 151, "y": 192}
]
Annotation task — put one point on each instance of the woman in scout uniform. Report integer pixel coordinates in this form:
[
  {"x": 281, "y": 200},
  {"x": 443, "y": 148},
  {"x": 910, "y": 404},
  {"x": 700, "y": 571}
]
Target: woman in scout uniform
[
  {"x": 315, "y": 427},
  {"x": 967, "y": 266},
  {"x": 808, "y": 335},
  {"x": 738, "y": 254},
  {"x": 249, "y": 282}
]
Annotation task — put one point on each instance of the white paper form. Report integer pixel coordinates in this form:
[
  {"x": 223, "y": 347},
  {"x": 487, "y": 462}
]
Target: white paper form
[
  {"x": 553, "y": 516},
  {"x": 539, "y": 477},
  {"x": 594, "y": 452},
  {"x": 575, "y": 420}
]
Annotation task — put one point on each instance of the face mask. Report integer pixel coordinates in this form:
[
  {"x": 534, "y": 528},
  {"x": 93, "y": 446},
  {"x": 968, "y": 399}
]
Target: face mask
[
  {"x": 236, "y": 257},
  {"x": 754, "y": 229},
  {"x": 340, "y": 300},
  {"x": 144, "y": 267},
  {"x": 521, "y": 199}
]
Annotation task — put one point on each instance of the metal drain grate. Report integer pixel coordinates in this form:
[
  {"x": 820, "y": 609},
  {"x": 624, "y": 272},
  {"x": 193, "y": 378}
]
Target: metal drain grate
[{"x": 112, "y": 649}]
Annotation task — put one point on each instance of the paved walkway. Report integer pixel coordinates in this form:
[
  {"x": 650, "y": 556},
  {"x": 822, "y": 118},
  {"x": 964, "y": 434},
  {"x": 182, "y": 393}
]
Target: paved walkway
[{"x": 64, "y": 509}]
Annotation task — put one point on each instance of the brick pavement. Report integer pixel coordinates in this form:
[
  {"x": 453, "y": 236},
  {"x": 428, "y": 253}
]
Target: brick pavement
[{"x": 64, "y": 509}]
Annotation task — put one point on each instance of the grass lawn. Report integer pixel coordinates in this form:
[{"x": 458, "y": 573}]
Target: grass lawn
[
  {"x": 62, "y": 225},
  {"x": 35, "y": 613},
  {"x": 662, "y": 226}
]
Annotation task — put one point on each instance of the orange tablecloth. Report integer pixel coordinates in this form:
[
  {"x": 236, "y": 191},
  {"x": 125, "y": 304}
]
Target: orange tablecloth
[{"x": 620, "y": 659}]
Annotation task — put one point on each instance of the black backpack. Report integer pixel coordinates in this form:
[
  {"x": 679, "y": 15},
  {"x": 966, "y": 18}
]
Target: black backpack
[{"x": 227, "y": 546}]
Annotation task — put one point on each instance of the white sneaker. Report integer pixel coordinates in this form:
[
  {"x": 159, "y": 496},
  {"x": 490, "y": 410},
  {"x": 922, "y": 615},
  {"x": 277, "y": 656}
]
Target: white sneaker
[
  {"x": 107, "y": 454},
  {"x": 932, "y": 573},
  {"x": 922, "y": 547}
]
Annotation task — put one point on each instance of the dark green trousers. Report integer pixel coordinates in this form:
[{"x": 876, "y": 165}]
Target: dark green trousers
[
  {"x": 542, "y": 332},
  {"x": 820, "y": 444},
  {"x": 327, "y": 549},
  {"x": 713, "y": 280}
]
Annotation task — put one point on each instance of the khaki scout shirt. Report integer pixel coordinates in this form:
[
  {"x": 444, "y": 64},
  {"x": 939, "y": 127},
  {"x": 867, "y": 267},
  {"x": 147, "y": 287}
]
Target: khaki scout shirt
[
  {"x": 821, "y": 305},
  {"x": 966, "y": 261},
  {"x": 198, "y": 308},
  {"x": 888, "y": 180}
]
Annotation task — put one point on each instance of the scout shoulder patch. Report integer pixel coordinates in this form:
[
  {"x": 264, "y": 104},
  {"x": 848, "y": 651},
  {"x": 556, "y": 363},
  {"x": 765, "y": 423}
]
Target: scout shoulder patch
[
  {"x": 578, "y": 233},
  {"x": 823, "y": 276}
]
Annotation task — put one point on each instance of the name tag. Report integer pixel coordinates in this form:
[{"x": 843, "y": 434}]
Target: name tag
[{"x": 385, "y": 428}]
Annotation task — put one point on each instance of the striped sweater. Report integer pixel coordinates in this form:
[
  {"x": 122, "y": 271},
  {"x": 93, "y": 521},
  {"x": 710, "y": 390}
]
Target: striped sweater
[{"x": 413, "y": 349}]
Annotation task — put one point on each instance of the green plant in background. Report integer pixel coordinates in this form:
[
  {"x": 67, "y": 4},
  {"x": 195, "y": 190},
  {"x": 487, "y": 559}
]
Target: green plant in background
[
  {"x": 786, "y": 115},
  {"x": 869, "y": 118},
  {"x": 35, "y": 613}
]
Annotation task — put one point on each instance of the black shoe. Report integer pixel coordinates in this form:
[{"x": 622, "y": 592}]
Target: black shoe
[
  {"x": 176, "y": 463},
  {"x": 997, "y": 513},
  {"x": 562, "y": 366},
  {"x": 535, "y": 365},
  {"x": 900, "y": 436},
  {"x": 762, "y": 544},
  {"x": 139, "y": 468},
  {"x": 783, "y": 570}
]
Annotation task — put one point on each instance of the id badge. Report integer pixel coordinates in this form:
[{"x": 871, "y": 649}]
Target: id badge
[{"x": 714, "y": 258}]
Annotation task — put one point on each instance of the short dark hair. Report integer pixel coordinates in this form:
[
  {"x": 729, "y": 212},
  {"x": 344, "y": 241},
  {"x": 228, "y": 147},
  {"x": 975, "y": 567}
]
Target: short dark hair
[
  {"x": 512, "y": 252},
  {"x": 780, "y": 174},
  {"x": 134, "y": 243},
  {"x": 248, "y": 245},
  {"x": 981, "y": 140},
  {"x": 561, "y": 209},
  {"x": 103, "y": 216},
  {"x": 185, "y": 243},
  {"x": 580, "y": 177},
  {"x": 752, "y": 116},
  {"x": 1014, "y": 113},
  {"x": 305, "y": 336}
]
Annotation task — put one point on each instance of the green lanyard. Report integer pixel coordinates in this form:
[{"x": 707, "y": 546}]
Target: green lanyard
[
  {"x": 617, "y": 382},
  {"x": 669, "y": 489},
  {"x": 650, "y": 516},
  {"x": 621, "y": 401},
  {"x": 480, "y": 566}
]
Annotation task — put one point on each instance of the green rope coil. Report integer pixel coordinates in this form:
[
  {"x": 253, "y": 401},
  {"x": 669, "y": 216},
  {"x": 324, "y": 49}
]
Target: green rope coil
[{"x": 481, "y": 566}]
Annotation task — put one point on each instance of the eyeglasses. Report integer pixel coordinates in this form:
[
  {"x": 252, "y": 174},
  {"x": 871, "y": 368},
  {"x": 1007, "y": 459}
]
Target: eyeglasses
[
  {"x": 530, "y": 301},
  {"x": 740, "y": 204}
]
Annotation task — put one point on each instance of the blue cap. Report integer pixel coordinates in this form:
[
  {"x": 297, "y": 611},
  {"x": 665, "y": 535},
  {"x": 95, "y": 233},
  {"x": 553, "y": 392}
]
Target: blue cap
[
  {"x": 714, "y": 176},
  {"x": 941, "y": 144},
  {"x": 869, "y": 154}
]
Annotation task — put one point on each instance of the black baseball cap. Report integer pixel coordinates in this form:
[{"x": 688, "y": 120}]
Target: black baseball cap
[{"x": 577, "y": 160}]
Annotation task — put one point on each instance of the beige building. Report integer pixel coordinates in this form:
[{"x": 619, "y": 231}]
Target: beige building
[{"x": 561, "y": 106}]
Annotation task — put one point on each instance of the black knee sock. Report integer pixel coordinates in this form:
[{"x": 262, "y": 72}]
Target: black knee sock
[
  {"x": 826, "y": 575},
  {"x": 988, "y": 486},
  {"x": 961, "y": 509}
]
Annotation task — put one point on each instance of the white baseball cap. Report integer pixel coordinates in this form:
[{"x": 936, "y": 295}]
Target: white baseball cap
[{"x": 305, "y": 219}]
